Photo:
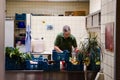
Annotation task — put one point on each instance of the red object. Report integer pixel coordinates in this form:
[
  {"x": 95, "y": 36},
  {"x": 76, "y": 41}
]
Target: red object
[
  {"x": 77, "y": 50},
  {"x": 63, "y": 65}
]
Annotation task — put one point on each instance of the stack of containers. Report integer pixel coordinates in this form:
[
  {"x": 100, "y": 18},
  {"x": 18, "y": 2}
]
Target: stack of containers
[
  {"x": 61, "y": 58},
  {"x": 35, "y": 63},
  {"x": 57, "y": 57},
  {"x": 75, "y": 67}
]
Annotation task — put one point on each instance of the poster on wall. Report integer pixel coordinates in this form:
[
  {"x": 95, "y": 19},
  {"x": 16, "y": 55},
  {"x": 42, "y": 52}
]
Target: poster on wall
[{"x": 109, "y": 36}]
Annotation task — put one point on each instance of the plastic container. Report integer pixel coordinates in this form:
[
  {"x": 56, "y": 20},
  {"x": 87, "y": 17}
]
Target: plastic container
[
  {"x": 11, "y": 64},
  {"x": 38, "y": 45},
  {"x": 51, "y": 67},
  {"x": 71, "y": 67},
  {"x": 20, "y": 16},
  {"x": 60, "y": 56},
  {"x": 21, "y": 24},
  {"x": 74, "y": 55},
  {"x": 31, "y": 66},
  {"x": 40, "y": 65}
]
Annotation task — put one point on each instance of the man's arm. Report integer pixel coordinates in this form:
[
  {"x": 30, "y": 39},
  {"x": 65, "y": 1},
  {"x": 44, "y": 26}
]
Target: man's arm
[
  {"x": 58, "y": 49},
  {"x": 56, "y": 44}
]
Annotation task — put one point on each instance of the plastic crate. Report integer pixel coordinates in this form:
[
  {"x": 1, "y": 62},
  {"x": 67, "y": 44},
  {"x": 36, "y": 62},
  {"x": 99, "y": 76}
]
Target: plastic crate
[
  {"x": 60, "y": 56},
  {"x": 51, "y": 67},
  {"x": 40, "y": 58},
  {"x": 11, "y": 64},
  {"x": 31, "y": 66},
  {"x": 23, "y": 41},
  {"x": 20, "y": 16},
  {"x": 93, "y": 67},
  {"x": 33, "y": 58},
  {"x": 39, "y": 63},
  {"x": 21, "y": 24},
  {"x": 71, "y": 67}
]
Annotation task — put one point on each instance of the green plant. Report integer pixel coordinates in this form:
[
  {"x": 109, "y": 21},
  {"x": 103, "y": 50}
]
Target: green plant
[
  {"x": 90, "y": 50},
  {"x": 17, "y": 56}
]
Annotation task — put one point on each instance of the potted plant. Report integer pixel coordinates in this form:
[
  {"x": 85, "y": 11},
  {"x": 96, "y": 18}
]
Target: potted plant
[
  {"x": 90, "y": 52},
  {"x": 15, "y": 59}
]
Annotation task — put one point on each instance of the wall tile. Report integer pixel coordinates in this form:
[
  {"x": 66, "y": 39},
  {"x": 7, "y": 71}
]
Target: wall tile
[
  {"x": 113, "y": 69},
  {"x": 103, "y": 38},
  {"x": 104, "y": 18},
  {"x": 106, "y": 59},
  {"x": 107, "y": 70},
  {"x": 103, "y": 29},
  {"x": 112, "y": 62},
  {"x": 109, "y": 53},
  {"x": 104, "y": 9},
  {"x": 103, "y": 2},
  {"x": 77, "y": 25},
  {"x": 95, "y": 5},
  {"x": 110, "y": 17}
]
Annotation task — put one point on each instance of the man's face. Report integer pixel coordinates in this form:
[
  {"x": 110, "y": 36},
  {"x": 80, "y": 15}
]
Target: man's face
[{"x": 66, "y": 34}]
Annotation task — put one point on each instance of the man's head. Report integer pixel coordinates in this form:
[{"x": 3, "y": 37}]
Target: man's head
[{"x": 66, "y": 31}]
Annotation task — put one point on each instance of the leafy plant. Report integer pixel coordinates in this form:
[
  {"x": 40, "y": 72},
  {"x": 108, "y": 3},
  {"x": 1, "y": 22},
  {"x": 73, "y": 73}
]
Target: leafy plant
[
  {"x": 90, "y": 50},
  {"x": 16, "y": 55}
]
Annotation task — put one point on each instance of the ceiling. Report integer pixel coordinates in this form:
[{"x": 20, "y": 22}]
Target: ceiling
[{"x": 48, "y": 0}]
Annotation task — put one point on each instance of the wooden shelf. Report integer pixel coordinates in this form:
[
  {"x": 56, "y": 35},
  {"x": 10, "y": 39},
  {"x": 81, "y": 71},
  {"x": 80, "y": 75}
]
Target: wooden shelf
[
  {"x": 21, "y": 28},
  {"x": 18, "y": 31}
]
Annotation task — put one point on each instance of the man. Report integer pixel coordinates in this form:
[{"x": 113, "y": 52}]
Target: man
[{"x": 65, "y": 41}]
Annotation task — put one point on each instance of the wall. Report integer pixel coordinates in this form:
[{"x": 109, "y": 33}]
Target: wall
[
  {"x": 9, "y": 33},
  {"x": 53, "y": 8},
  {"x": 47, "y": 0},
  {"x": 2, "y": 59},
  {"x": 39, "y": 29},
  {"x": 107, "y": 16},
  {"x": 95, "y": 5}
]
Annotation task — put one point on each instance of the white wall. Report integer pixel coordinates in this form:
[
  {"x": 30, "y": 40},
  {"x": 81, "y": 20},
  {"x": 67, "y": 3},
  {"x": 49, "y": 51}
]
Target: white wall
[
  {"x": 9, "y": 33},
  {"x": 107, "y": 16},
  {"x": 95, "y": 5},
  {"x": 48, "y": 0},
  {"x": 39, "y": 30}
]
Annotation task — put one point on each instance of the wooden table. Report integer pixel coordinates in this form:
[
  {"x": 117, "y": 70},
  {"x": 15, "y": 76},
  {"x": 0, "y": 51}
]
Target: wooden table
[{"x": 40, "y": 75}]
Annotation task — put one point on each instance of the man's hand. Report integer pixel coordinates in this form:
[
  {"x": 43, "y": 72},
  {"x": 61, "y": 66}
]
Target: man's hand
[
  {"x": 58, "y": 49},
  {"x": 76, "y": 50}
]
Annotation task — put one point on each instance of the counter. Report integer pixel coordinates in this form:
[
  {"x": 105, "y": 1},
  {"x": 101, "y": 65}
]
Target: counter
[{"x": 41, "y": 75}]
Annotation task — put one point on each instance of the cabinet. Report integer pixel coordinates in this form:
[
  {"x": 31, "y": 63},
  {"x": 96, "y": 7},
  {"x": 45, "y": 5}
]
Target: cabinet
[
  {"x": 93, "y": 20},
  {"x": 19, "y": 29},
  {"x": 93, "y": 24},
  {"x": 75, "y": 13}
]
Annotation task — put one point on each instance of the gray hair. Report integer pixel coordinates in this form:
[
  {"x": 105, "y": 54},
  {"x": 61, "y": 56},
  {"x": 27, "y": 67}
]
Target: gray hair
[{"x": 66, "y": 28}]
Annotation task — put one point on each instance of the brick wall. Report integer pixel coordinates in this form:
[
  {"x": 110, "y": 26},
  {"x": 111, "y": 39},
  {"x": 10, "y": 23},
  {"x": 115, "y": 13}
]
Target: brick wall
[
  {"x": 95, "y": 5},
  {"x": 107, "y": 16}
]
